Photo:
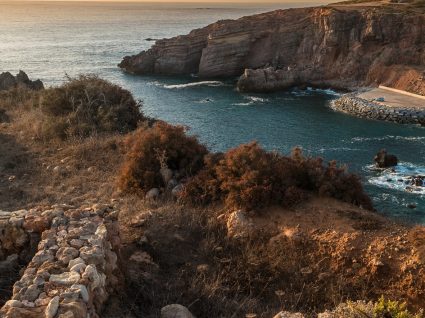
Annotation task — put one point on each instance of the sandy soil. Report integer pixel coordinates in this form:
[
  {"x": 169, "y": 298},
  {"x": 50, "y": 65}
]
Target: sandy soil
[{"x": 393, "y": 99}]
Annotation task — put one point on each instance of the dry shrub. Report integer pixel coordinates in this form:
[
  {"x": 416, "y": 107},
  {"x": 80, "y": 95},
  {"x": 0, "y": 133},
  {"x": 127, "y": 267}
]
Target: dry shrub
[
  {"x": 204, "y": 188},
  {"x": 153, "y": 148},
  {"x": 19, "y": 98},
  {"x": 88, "y": 105},
  {"x": 251, "y": 178}
]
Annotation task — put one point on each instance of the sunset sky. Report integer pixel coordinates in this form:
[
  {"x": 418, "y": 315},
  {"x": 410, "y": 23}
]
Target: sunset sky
[{"x": 205, "y": 1}]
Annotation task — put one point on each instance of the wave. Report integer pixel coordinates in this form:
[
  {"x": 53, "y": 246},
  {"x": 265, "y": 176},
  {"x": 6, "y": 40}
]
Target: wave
[
  {"x": 256, "y": 99},
  {"x": 322, "y": 150},
  {"x": 387, "y": 137},
  {"x": 310, "y": 91},
  {"x": 195, "y": 84},
  {"x": 400, "y": 178},
  {"x": 251, "y": 100},
  {"x": 327, "y": 91}
]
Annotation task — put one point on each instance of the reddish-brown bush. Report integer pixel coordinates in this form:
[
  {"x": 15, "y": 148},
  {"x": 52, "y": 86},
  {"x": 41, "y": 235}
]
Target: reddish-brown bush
[
  {"x": 204, "y": 187},
  {"x": 251, "y": 178},
  {"x": 153, "y": 148}
]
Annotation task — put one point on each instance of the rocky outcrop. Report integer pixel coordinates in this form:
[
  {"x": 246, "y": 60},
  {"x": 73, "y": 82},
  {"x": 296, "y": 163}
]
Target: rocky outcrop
[
  {"x": 8, "y": 81},
  {"x": 353, "y": 105},
  {"x": 341, "y": 47},
  {"x": 74, "y": 266},
  {"x": 385, "y": 160}
]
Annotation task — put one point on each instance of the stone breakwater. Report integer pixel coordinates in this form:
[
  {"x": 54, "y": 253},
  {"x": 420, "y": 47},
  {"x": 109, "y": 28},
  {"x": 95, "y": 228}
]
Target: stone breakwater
[
  {"x": 74, "y": 268},
  {"x": 354, "y": 105}
]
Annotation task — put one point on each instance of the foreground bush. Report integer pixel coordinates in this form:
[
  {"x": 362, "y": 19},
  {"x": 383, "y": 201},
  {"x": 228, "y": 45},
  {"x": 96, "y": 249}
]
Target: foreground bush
[
  {"x": 151, "y": 151},
  {"x": 251, "y": 178},
  {"x": 87, "y": 105},
  {"x": 383, "y": 308}
]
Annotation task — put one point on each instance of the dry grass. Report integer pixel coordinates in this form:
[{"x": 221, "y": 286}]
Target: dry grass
[
  {"x": 299, "y": 258},
  {"x": 298, "y": 263}
]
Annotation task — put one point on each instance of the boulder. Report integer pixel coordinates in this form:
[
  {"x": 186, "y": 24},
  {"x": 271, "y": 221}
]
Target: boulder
[
  {"x": 239, "y": 224},
  {"x": 418, "y": 181},
  {"x": 8, "y": 81},
  {"x": 152, "y": 194},
  {"x": 175, "y": 311},
  {"x": 385, "y": 160}
]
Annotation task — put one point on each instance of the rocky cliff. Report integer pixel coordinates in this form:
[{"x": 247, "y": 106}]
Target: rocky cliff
[{"x": 333, "y": 46}]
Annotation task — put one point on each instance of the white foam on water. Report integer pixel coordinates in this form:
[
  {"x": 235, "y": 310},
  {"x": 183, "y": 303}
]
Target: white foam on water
[
  {"x": 256, "y": 99},
  {"x": 398, "y": 178},
  {"x": 251, "y": 100},
  {"x": 195, "y": 84},
  {"x": 322, "y": 150},
  {"x": 328, "y": 91},
  {"x": 387, "y": 137}
]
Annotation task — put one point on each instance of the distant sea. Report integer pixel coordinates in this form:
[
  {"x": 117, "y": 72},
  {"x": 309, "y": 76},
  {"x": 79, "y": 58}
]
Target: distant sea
[{"x": 51, "y": 39}]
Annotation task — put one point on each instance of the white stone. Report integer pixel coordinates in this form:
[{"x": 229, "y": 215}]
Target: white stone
[
  {"x": 52, "y": 308},
  {"x": 79, "y": 268},
  {"x": 238, "y": 224},
  {"x": 13, "y": 303},
  {"x": 65, "y": 279},
  {"x": 76, "y": 261},
  {"x": 82, "y": 290},
  {"x": 175, "y": 311}
]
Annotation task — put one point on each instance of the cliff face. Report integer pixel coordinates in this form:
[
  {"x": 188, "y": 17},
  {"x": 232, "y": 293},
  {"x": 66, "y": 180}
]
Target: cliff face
[{"x": 326, "y": 46}]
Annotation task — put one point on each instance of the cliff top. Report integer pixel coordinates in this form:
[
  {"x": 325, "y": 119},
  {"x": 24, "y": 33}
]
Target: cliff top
[{"x": 411, "y": 5}]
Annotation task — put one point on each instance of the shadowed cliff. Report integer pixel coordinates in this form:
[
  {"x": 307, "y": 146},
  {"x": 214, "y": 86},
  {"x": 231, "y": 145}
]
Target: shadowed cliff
[{"x": 340, "y": 46}]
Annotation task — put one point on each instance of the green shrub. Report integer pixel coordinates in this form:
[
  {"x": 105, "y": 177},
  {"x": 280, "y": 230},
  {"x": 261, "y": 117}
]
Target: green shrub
[
  {"x": 88, "y": 105},
  {"x": 385, "y": 308},
  {"x": 151, "y": 149}
]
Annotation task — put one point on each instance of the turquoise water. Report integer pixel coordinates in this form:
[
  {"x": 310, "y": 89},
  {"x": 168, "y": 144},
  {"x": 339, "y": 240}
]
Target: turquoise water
[{"x": 48, "y": 40}]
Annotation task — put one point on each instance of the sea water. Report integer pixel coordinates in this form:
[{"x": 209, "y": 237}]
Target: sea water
[{"x": 49, "y": 40}]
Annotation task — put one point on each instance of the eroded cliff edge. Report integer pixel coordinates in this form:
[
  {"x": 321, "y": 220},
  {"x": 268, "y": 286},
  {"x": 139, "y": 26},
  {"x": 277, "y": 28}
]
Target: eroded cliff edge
[{"x": 334, "y": 46}]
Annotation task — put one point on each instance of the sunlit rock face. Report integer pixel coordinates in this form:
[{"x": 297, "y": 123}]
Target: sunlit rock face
[{"x": 324, "y": 46}]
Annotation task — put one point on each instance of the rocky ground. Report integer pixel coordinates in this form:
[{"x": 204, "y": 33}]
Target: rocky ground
[{"x": 74, "y": 246}]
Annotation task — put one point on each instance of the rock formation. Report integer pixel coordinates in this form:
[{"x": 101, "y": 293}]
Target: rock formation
[
  {"x": 332, "y": 46},
  {"x": 385, "y": 160},
  {"x": 8, "y": 81}
]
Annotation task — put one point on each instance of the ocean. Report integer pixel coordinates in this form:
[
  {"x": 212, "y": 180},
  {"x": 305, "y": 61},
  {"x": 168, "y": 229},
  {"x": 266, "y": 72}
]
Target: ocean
[{"x": 50, "y": 40}]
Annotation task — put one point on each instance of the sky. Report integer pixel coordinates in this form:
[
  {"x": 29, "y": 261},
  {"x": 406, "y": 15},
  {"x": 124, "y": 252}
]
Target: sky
[{"x": 199, "y": 1}]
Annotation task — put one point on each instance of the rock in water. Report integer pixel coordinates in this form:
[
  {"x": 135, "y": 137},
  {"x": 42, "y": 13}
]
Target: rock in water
[
  {"x": 384, "y": 160},
  {"x": 176, "y": 311}
]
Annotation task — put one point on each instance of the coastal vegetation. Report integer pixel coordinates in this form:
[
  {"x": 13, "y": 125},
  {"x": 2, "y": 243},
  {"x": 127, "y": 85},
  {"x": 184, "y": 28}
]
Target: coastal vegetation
[
  {"x": 79, "y": 108},
  {"x": 314, "y": 244}
]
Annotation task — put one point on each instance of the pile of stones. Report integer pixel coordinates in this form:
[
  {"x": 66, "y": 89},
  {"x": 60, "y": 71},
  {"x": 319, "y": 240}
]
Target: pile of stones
[{"x": 74, "y": 268}]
